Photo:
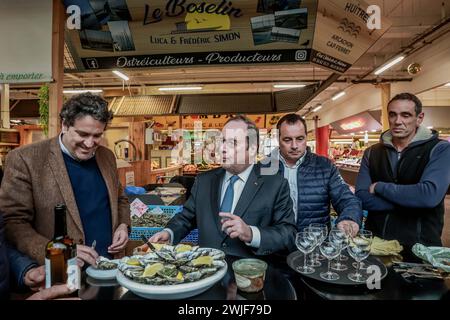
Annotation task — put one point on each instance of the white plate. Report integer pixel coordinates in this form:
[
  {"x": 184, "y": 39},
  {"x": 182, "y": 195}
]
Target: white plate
[
  {"x": 102, "y": 274},
  {"x": 176, "y": 291}
]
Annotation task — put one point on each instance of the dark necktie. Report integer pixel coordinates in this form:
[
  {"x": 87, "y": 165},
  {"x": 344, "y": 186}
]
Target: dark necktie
[{"x": 227, "y": 202}]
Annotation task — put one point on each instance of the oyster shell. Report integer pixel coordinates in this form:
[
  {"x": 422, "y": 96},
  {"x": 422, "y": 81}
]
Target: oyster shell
[{"x": 106, "y": 264}]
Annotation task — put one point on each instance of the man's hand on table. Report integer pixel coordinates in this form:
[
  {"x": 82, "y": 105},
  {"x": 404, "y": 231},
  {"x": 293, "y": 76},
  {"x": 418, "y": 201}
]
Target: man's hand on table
[{"x": 55, "y": 292}]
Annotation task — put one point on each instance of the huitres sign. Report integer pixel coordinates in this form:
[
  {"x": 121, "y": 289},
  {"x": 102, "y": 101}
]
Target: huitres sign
[
  {"x": 164, "y": 33},
  {"x": 143, "y": 34},
  {"x": 344, "y": 31},
  {"x": 26, "y": 35}
]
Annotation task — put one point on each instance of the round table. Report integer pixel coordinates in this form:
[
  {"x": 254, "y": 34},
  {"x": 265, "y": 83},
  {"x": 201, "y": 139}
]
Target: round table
[{"x": 276, "y": 287}]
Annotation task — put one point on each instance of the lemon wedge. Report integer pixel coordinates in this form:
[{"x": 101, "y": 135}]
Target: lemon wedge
[
  {"x": 133, "y": 262},
  {"x": 158, "y": 246},
  {"x": 183, "y": 248},
  {"x": 180, "y": 276},
  {"x": 152, "y": 269},
  {"x": 202, "y": 261}
]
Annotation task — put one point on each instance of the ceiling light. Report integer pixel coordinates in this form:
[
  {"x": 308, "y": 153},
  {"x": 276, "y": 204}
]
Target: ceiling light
[
  {"x": 317, "y": 108},
  {"x": 82, "y": 90},
  {"x": 373, "y": 130},
  {"x": 121, "y": 75},
  {"x": 338, "y": 95},
  {"x": 280, "y": 86},
  {"x": 179, "y": 88},
  {"x": 388, "y": 65}
]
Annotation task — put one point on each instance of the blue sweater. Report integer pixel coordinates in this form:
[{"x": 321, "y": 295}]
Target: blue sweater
[{"x": 91, "y": 195}]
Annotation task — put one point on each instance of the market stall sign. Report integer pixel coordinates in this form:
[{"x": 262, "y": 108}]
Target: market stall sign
[
  {"x": 216, "y": 121},
  {"x": 272, "y": 119},
  {"x": 25, "y": 52},
  {"x": 165, "y": 122},
  {"x": 344, "y": 31},
  {"x": 142, "y": 33}
]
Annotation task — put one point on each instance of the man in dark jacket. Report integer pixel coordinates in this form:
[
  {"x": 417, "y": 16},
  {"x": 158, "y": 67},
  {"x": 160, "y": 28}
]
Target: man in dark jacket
[
  {"x": 314, "y": 180},
  {"x": 236, "y": 208},
  {"x": 403, "y": 179}
]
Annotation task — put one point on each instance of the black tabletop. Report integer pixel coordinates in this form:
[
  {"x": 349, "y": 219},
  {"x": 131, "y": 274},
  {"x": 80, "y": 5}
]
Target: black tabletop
[{"x": 276, "y": 287}]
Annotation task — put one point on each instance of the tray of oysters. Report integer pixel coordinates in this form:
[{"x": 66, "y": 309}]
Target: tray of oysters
[{"x": 172, "y": 272}]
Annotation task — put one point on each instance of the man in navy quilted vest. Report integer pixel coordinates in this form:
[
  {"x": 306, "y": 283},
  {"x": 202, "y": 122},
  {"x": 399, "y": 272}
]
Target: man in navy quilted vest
[
  {"x": 314, "y": 181},
  {"x": 403, "y": 178}
]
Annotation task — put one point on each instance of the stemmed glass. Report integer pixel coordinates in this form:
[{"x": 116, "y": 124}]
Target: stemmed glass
[
  {"x": 339, "y": 238},
  {"x": 318, "y": 234},
  {"x": 349, "y": 231},
  {"x": 324, "y": 229},
  {"x": 330, "y": 251},
  {"x": 305, "y": 242},
  {"x": 359, "y": 249}
]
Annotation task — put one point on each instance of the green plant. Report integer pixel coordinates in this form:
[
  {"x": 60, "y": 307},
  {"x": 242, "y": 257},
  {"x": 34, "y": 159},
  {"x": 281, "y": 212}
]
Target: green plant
[{"x": 43, "y": 96}]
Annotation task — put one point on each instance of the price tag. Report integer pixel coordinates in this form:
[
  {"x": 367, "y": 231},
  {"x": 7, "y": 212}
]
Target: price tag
[{"x": 138, "y": 208}]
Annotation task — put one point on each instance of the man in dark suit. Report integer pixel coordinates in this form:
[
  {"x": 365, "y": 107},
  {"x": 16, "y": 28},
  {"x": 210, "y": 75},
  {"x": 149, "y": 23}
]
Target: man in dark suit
[{"x": 236, "y": 208}]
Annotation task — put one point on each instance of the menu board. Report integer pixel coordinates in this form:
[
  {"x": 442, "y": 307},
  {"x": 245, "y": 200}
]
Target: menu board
[{"x": 344, "y": 31}]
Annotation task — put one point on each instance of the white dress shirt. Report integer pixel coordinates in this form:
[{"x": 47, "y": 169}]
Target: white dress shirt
[
  {"x": 290, "y": 173},
  {"x": 238, "y": 187}
]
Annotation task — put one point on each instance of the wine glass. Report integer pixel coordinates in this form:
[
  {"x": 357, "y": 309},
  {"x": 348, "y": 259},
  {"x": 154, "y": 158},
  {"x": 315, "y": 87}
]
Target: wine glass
[
  {"x": 305, "y": 242},
  {"x": 348, "y": 230},
  {"x": 359, "y": 249},
  {"x": 330, "y": 251},
  {"x": 324, "y": 229},
  {"x": 318, "y": 234},
  {"x": 341, "y": 239}
]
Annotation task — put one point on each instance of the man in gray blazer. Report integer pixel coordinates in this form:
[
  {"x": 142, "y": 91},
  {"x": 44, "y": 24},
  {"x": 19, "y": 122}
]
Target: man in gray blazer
[{"x": 236, "y": 208}]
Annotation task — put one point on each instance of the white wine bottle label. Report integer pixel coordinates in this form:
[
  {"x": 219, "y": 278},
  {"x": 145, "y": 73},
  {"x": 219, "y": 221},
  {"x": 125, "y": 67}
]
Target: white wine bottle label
[
  {"x": 73, "y": 274},
  {"x": 48, "y": 273}
]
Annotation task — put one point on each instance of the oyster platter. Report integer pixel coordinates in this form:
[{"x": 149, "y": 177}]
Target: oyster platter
[{"x": 172, "y": 272}]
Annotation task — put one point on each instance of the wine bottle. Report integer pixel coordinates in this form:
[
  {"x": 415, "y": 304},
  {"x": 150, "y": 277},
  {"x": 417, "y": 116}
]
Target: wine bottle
[{"x": 60, "y": 255}]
